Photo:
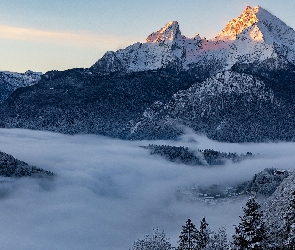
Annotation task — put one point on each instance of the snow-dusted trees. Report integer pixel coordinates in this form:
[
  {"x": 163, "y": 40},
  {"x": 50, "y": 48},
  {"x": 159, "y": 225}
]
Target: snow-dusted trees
[
  {"x": 200, "y": 157},
  {"x": 289, "y": 227},
  {"x": 272, "y": 230},
  {"x": 202, "y": 239},
  {"x": 203, "y": 236},
  {"x": 157, "y": 241},
  {"x": 250, "y": 232},
  {"x": 188, "y": 237},
  {"x": 279, "y": 215},
  {"x": 219, "y": 241},
  {"x": 264, "y": 183}
]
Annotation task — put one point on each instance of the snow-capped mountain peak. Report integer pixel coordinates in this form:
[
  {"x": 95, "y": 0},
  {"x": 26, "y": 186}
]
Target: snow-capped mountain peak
[
  {"x": 268, "y": 24},
  {"x": 256, "y": 35},
  {"x": 237, "y": 25},
  {"x": 169, "y": 32},
  {"x": 162, "y": 48}
]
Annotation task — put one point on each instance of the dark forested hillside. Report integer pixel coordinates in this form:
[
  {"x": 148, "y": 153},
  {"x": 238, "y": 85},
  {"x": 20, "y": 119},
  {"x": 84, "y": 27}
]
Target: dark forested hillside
[
  {"x": 278, "y": 75},
  {"x": 229, "y": 106},
  {"x": 264, "y": 183},
  {"x": 200, "y": 157},
  {"x": 79, "y": 101},
  {"x": 12, "y": 167},
  {"x": 159, "y": 104}
]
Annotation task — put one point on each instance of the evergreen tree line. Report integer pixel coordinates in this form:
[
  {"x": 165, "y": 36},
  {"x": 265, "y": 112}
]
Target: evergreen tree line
[
  {"x": 12, "y": 167},
  {"x": 250, "y": 233},
  {"x": 200, "y": 157}
]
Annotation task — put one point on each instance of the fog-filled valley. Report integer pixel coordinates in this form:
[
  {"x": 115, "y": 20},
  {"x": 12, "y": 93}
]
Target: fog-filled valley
[
  {"x": 107, "y": 193},
  {"x": 179, "y": 142}
]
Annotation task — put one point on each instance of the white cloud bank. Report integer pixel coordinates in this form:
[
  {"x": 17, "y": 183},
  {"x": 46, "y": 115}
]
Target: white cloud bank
[
  {"x": 83, "y": 39},
  {"x": 109, "y": 192},
  {"x": 44, "y": 50}
]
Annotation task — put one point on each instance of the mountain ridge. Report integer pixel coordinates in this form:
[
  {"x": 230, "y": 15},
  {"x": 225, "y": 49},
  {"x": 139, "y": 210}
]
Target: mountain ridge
[
  {"x": 168, "y": 46},
  {"x": 236, "y": 90}
]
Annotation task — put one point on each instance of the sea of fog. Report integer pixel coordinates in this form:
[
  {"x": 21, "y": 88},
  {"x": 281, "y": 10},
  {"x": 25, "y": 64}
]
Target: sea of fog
[{"x": 108, "y": 192}]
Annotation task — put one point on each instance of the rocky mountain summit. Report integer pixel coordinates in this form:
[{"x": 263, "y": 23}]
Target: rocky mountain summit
[{"x": 256, "y": 35}]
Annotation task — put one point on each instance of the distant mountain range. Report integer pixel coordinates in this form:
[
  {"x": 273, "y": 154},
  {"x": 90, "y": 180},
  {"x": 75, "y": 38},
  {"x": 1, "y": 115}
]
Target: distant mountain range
[{"x": 238, "y": 86}]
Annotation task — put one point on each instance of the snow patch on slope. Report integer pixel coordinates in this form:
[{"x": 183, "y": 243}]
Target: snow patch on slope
[
  {"x": 17, "y": 80},
  {"x": 10, "y": 81},
  {"x": 169, "y": 32}
]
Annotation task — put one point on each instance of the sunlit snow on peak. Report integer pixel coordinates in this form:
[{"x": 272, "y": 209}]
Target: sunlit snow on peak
[
  {"x": 169, "y": 32},
  {"x": 237, "y": 25},
  {"x": 255, "y": 35}
]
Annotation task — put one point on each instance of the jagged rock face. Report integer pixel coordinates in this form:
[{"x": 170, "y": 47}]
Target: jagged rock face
[
  {"x": 10, "y": 81},
  {"x": 237, "y": 25},
  {"x": 228, "y": 107},
  {"x": 163, "y": 48},
  {"x": 170, "y": 32},
  {"x": 109, "y": 63},
  {"x": 166, "y": 48},
  {"x": 260, "y": 36}
]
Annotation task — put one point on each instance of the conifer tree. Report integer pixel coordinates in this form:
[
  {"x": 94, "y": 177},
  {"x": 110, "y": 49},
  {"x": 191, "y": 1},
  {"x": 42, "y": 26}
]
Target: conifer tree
[
  {"x": 157, "y": 241},
  {"x": 219, "y": 240},
  {"x": 250, "y": 232},
  {"x": 203, "y": 237},
  {"x": 188, "y": 237}
]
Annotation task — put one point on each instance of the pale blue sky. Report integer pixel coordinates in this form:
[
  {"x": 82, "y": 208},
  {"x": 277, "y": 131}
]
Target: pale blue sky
[{"x": 42, "y": 35}]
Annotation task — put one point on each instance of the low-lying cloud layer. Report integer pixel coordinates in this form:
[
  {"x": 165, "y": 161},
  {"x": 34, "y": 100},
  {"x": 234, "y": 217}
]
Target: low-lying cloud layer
[{"x": 109, "y": 192}]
